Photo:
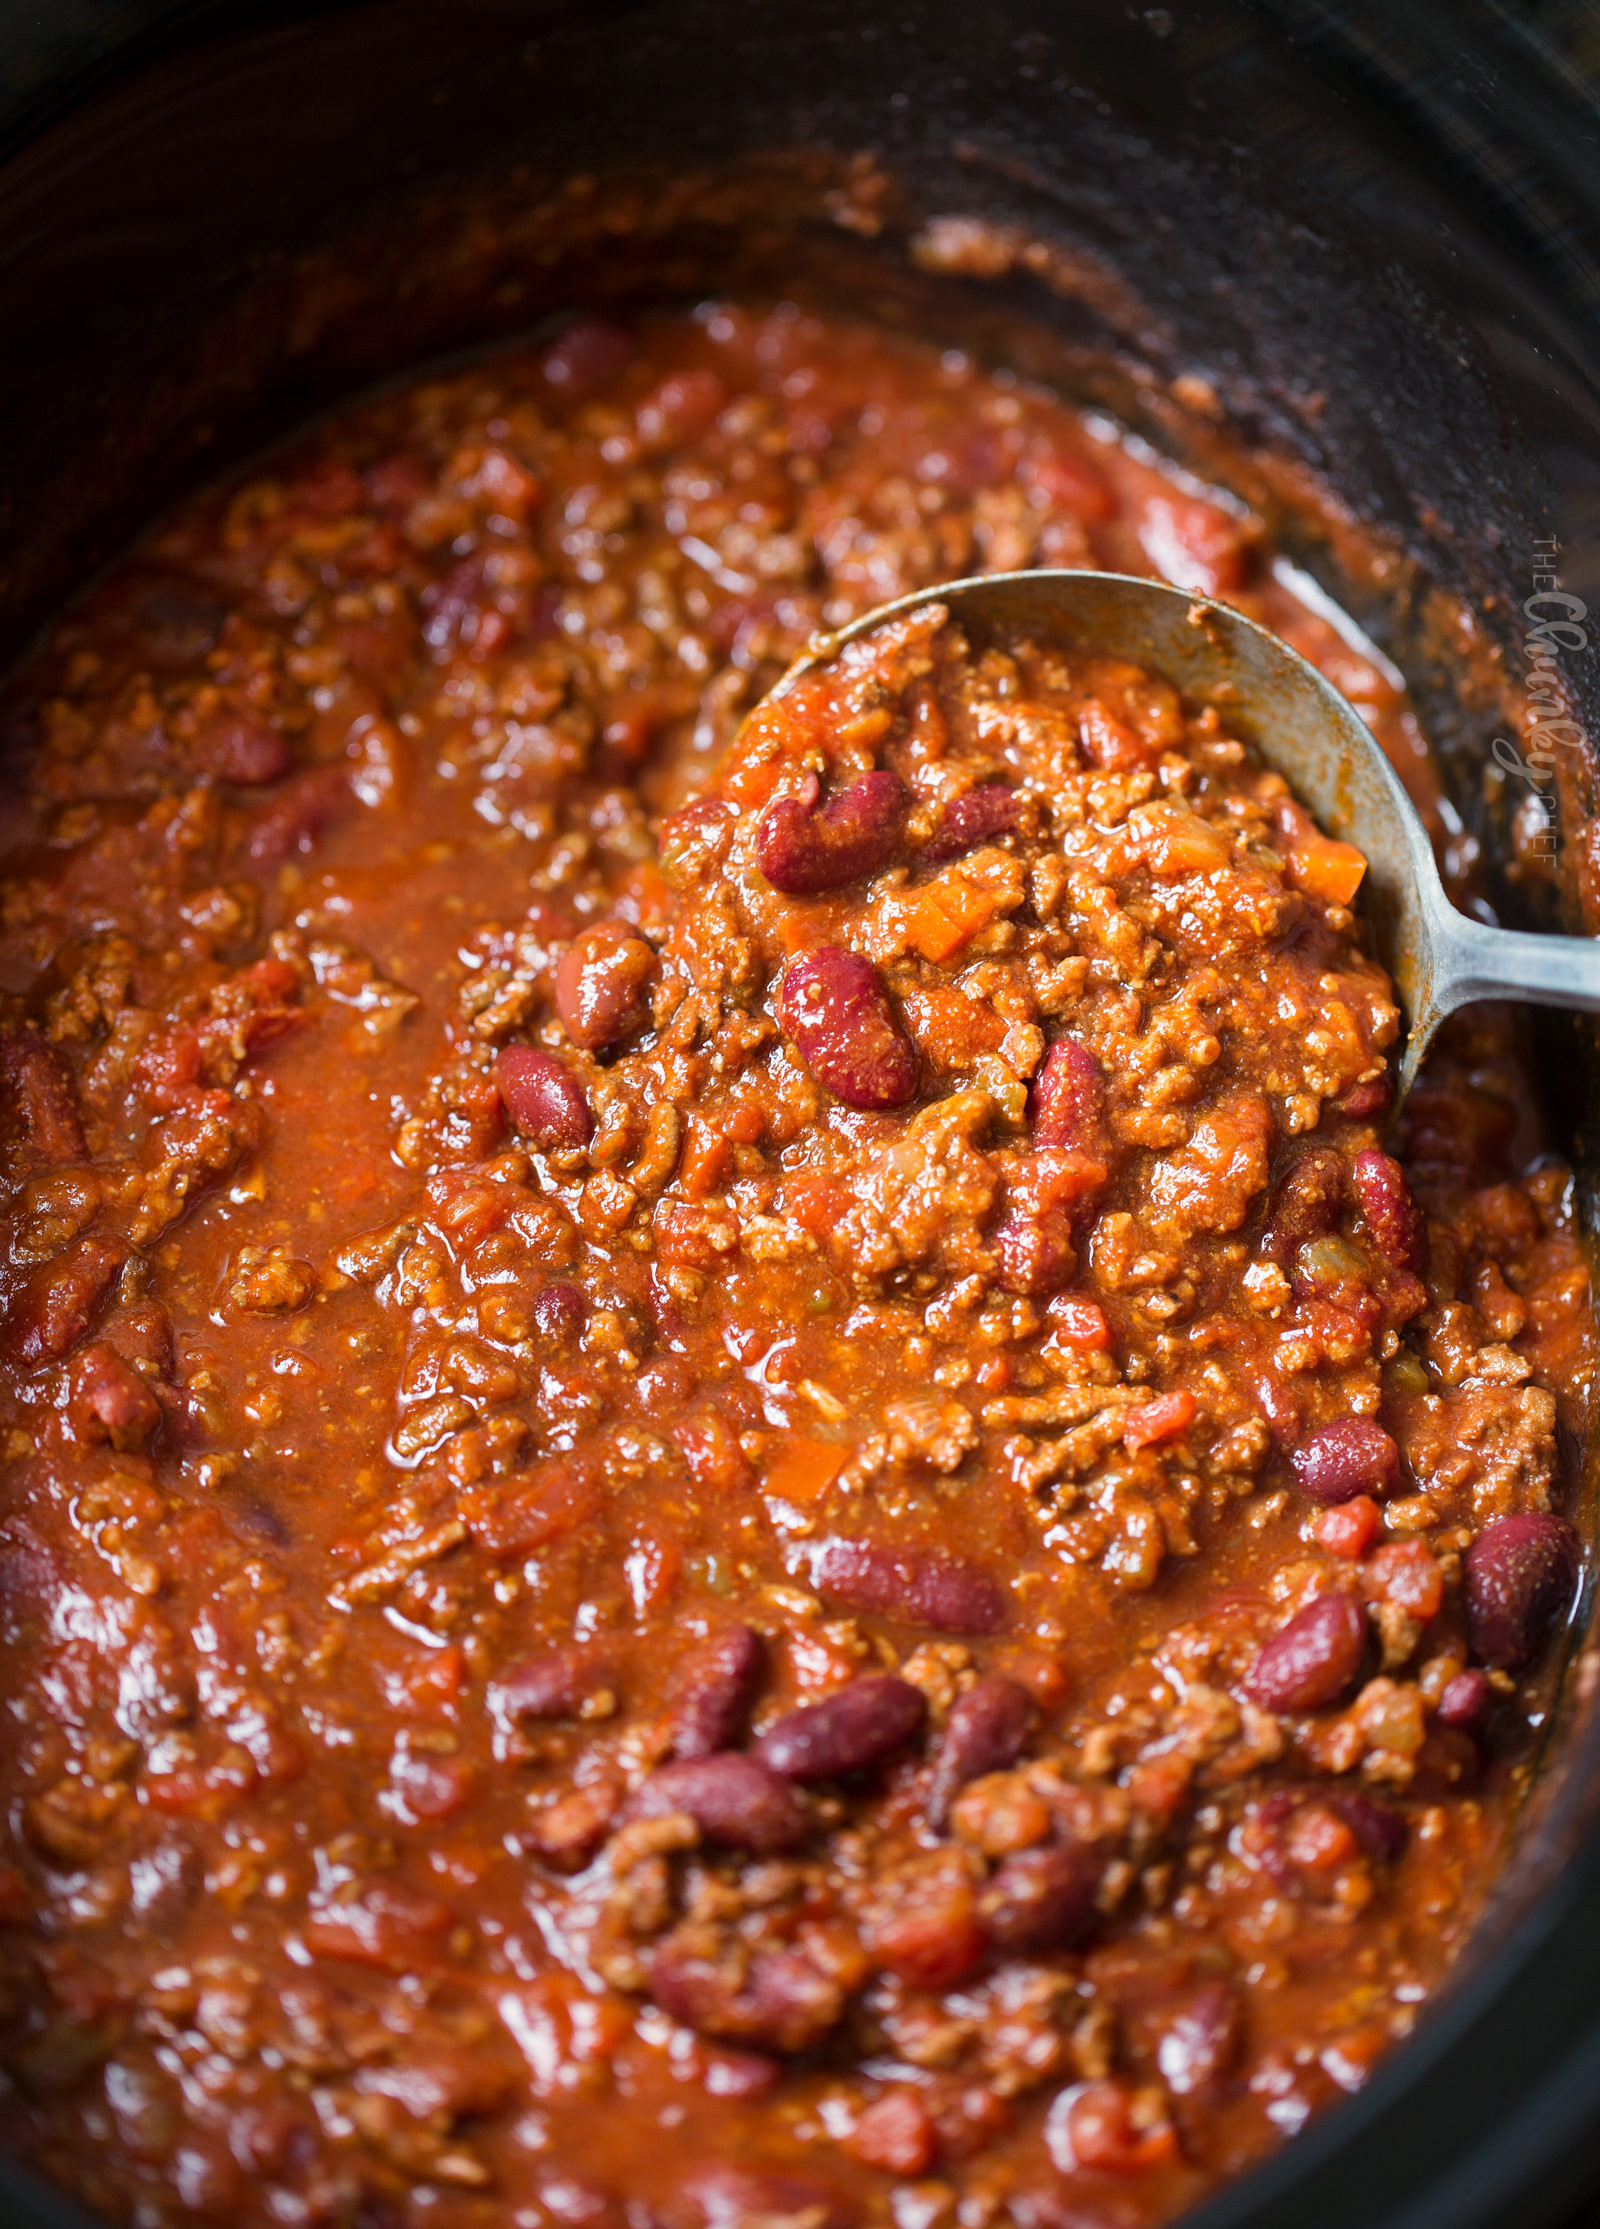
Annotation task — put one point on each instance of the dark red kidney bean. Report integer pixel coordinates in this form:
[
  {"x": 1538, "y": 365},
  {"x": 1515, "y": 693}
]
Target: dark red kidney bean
[
  {"x": 242, "y": 747},
  {"x": 978, "y": 816},
  {"x": 861, "y": 1725},
  {"x": 602, "y": 985},
  {"x": 739, "y": 1801},
  {"x": 776, "y": 2000},
  {"x": 106, "y": 1400},
  {"x": 1068, "y": 1102},
  {"x": 921, "y": 1585},
  {"x": 1041, "y": 1899},
  {"x": 544, "y": 1100},
  {"x": 1520, "y": 1573},
  {"x": 1392, "y": 1216},
  {"x": 804, "y": 847},
  {"x": 838, "y": 1014},
  {"x": 987, "y": 1729},
  {"x": 1362, "y": 1101},
  {"x": 1348, "y": 1457},
  {"x": 1466, "y": 1701},
  {"x": 554, "y": 1684},
  {"x": 40, "y": 1097},
  {"x": 1314, "y": 1659},
  {"x": 59, "y": 1301},
  {"x": 1034, "y": 1249},
  {"x": 1201, "y": 2040},
  {"x": 299, "y": 814},
  {"x": 559, "y": 1311},
  {"x": 715, "y": 1690},
  {"x": 1307, "y": 1204},
  {"x": 1380, "y": 1830}
]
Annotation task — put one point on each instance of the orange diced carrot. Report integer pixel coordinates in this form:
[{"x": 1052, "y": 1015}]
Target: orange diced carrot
[
  {"x": 944, "y": 913},
  {"x": 1159, "y": 1419},
  {"x": 864, "y": 727},
  {"x": 802, "y": 1469},
  {"x": 1318, "y": 864},
  {"x": 1328, "y": 870}
]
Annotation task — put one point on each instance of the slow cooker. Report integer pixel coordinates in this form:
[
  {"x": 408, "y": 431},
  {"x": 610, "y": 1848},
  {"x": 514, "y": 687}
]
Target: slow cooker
[{"x": 1363, "y": 242}]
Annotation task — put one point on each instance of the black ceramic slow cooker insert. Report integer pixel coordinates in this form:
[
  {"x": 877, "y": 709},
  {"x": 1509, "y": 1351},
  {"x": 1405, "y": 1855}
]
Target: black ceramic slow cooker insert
[{"x": 1393, "y": 208}]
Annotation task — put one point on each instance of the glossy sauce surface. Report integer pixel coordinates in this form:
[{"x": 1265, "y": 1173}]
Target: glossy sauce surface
[{"x": 742, "y": 1487}]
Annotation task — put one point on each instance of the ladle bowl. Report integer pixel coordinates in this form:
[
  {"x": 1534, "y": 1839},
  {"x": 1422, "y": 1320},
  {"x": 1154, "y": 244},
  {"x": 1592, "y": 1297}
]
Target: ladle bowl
[{"x": 1439, "y": 957}]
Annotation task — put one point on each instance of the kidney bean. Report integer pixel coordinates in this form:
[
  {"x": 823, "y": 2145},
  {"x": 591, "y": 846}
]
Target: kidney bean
[
  {"x": 242, "y": 747},
  {"x": 1392, "y": 1216},
  {"x": 1201, "y": 2041},
  {"x": 1034, "y": 1250},
  {"x": 1380, "y": 1830},
  {"x": 986, "y": 1730},
  {"x": 1362, "y": 1101},
  {"x": 40, "y": 1097},
  {"x": 804, "y": 847},
  {"x": 1314, "y": 1659},
  {"x": 1041, "y": 1899},
  {"x": 1068, "y": 1102},
  {"x": 1348, "y": 1457},
  {"x": 544, "y": 1100},
  {"x": 559, "y": 1311},
  {"x": 778, "y": 2001},
  {"x": 602, "y": 982},
  {"x": 1519, "y": 1574},
  {"x": 299, "y": 814},
  {"x": 107, "y": 1400},
  {"x": 978, "y": 816},
  {"x": 59, "y": 1300},
  {"x": 1307, "y": 1204},
  {"x": 554, "y": 1684},
  {"x": 717, "y": 1684},
  {"x": 1466, "y": 1701},
  {"x": 861, "y": 1725},
  {"x": 921, "y": 1585},
  {"x": 733, "y": 1799},
  {"x": 839, "y": 1017}
]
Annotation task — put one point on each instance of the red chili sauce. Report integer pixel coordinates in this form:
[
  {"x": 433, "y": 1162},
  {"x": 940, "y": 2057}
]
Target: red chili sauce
[{"x": 743, "y": 1486}]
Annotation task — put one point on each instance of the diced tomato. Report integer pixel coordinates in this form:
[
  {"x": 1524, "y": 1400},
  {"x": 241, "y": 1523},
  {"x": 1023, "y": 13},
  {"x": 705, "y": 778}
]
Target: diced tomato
[
  {"x": 1160, "y": 1419},
  {"x": 1080, "y": 1322},
  {"x": 1407, "y": 1574},
  {"x": 1350, "y": 1529},
  {"x": 894, "y": 2133}
]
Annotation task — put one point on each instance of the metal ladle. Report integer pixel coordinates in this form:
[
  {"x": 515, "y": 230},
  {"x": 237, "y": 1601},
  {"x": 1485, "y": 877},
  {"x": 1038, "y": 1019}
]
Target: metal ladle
[{"x": 1439, "y": 958}]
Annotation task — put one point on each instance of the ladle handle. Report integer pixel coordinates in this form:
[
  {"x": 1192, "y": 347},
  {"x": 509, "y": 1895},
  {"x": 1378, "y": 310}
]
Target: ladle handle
[{"x": 1471, "y": 960}]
